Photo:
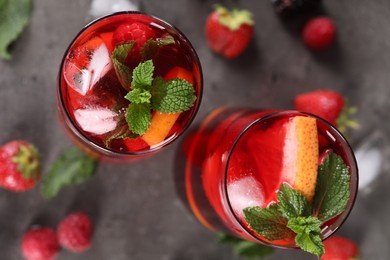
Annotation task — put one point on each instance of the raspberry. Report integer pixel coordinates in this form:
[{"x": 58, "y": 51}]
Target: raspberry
[
  {"x": 74, "y": 232},
  {"x": 319, "y": 32},
  {"x": 40, "y": 243}
]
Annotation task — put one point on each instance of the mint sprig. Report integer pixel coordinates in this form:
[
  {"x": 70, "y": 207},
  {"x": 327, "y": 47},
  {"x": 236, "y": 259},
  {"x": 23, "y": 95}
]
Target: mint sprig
[
  {"x": 332, "y": 189},
  {"x": 151, "y": 46},
  {"x": 72, "y": 167},
  {"x": 293, "y": 216},
  {"x": 118, "y": 58}
]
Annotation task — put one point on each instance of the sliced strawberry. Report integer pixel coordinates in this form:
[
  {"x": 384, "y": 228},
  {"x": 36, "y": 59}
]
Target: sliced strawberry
[
  {"x": 229, "y": 32},
  {"x": 138, "y": 32},
  {"x": 340, "y": 248}
]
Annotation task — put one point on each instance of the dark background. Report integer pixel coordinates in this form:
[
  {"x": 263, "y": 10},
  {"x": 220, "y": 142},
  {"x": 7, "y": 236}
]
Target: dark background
[{"x": 135, "y": 208}]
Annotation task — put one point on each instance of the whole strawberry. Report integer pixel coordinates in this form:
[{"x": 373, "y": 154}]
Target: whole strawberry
[
  {"x": 20, "y": 166},
  {"x": 229, "y": 32},
  {"x": 340, "y": 248},
  {"x": 74, "y": 232},
  {"x": 319, "y": 33},
  {"x": 329, "y": 105},
  {"x": 40, "y": 243}
]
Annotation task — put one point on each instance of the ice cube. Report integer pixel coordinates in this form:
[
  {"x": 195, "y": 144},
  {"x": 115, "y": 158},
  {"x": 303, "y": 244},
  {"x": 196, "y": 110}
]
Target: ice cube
[
  {"x": 245, "y": 192},
  {"x": 104, "y": 7},
  {"x": 96, "y": 120},
  {"x": 83, "y": 78}
]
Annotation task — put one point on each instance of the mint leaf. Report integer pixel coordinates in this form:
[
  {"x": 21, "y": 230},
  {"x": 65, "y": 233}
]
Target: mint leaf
[
  {"x": 143, "y": 75},
  {"x": 175, "y": 95},
  {"x": 245, "y": 248},
  {"x": 268, "y": 222},
  {"x": 292, "y": 203},
  {"x": 308, "y": 234},
  {"x": 139, "y": 96},
  {"x": 138, "y": 117},
  {"x": 151, "y": 46},
  {"x": 72, "y": 167},
  {"x": 118, "y": 57},
  {"x": 332, "y": 190},
  {"x": 14, "y": 17},
  {"x": 121, "y": 131}
]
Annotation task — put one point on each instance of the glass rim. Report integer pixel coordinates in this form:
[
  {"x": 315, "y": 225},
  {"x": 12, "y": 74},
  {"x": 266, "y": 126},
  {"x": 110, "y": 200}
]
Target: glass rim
[
  {"x": 354, "y": 179},
  {"x": 80, "y": 134}
]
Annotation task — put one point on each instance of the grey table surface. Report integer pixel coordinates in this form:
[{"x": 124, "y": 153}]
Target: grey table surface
[{"x": 135, "y": 208}]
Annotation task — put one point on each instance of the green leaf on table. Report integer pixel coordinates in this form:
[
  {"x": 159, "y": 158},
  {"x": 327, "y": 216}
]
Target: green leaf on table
[
  {"x": 72, "y": 167},
  {"x": 14, "y": 17},
  {"x": 245, "y": 248},
  {"x": 138, "y": 117},
  {"x": 268, "y": 222},
  {"x": 332, "y": 190},
  {"x": 170, "y": 96},
  {"x": 308, "y": 234}
]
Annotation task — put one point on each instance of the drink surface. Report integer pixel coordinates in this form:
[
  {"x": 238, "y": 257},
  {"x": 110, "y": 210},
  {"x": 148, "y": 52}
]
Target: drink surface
[
  {"x": 92, "y": 96},
  {"x": 236, "y": 167}
]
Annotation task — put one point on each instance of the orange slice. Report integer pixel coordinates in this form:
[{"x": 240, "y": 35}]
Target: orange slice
[{"x": 301, "y": 155}]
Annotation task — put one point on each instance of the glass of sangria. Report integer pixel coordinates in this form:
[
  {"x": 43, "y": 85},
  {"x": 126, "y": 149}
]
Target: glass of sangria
[
  {"x": 279, "y": 178},
  {"x": 129, "y": 84}
]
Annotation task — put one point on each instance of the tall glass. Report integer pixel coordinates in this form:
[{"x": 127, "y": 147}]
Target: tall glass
[
  {"x": 234, "y": 162},
  {"x": 91, "y": 93}
]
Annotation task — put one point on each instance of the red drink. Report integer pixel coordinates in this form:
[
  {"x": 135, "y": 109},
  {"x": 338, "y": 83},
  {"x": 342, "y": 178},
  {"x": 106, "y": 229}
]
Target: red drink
[
  {"x": 238, "y": 158},
  {"x": 92, "y": 86}
]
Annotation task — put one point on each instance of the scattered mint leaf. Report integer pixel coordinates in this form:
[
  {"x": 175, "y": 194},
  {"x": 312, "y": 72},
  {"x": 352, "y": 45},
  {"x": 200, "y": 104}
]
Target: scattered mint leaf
[
  {"x": 245, "y": 248},
  {"x": 71, "y": 167},
  {"x": 138, "y": 117},
  {"x": 151, "y": 46},
  {"x": 308, "y": 234},
  {"x": 118, "y": 57},
  {"x": 268, "y": 222},
  {"x": 292, "y": 203},
  {"x": 14, "y": 17},
  {"x": 139, "y": 96},
  {"x": 332, "y": 190},
  {"x": 175, "y": 95},
  {"x": 143, "y": 75}
]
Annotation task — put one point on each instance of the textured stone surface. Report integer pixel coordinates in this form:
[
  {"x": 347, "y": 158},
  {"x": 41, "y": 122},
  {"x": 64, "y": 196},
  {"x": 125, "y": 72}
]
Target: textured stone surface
[{"x": 135, "y": 208}]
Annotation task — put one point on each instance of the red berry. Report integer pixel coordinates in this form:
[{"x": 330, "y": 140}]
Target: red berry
[
  {"x": 229, "y": 32},
  {"x": 319, "y": 33},
  {"x": 135, "y": 31},
  {"x": 40, "y": 243},
  {"x": 340, "y": 248},
  {"x": 326, "y": 104},
  {"x": 74, "y": 232},
  {"x": 20, "y": 167}
]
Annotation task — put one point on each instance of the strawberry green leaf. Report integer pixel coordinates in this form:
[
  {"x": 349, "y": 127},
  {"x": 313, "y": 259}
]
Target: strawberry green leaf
[
  {"x": 71, "y": 167},
  {"x": 308, "y": 234},
  {"x": 175, "y": 95},
  {"x": 118, "y": 57},
  {"x": 27, "y": 161},
  {"x": 244, "y": 248},
  {"x": 138, "y": 117},
  {"x": 268, "y": 222},
  {"x": 235, "y": 18},
  {"x": 14, "y": 17},
  {"x": 151, "y": 46},
  {"x": 332, "y": 189},
  {"x": 292, "y": 203},
  {"x": 143, "y": 75}
]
